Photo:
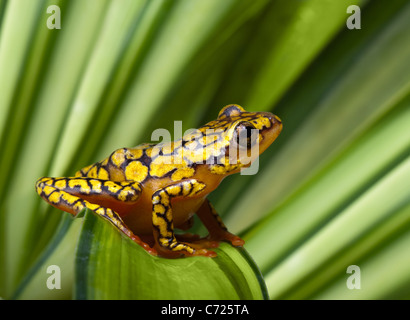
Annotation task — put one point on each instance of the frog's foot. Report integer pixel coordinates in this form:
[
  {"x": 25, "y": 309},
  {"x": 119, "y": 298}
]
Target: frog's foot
[
  {"x": 205, "y": 253},
  {"x": 217, "y": 230},
  {"x": 181, "y": 249},
  {"x": 229, "y": 237},
  {"x": 196, "y": 241}
]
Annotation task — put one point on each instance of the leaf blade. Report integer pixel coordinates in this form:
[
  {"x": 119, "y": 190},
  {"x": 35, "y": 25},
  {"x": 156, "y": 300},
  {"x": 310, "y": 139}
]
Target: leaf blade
[{"x": 111, "y": 266}]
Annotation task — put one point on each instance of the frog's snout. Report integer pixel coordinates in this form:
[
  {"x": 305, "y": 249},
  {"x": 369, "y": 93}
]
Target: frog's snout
[
  {"x": 275, "y": 121},
  {"x": 272, "y": 131}
]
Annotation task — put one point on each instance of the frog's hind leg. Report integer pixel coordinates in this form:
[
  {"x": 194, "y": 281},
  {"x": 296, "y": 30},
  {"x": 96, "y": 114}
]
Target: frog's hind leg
[
  {"x": 66, "y": 194},
  {"x": 217, "y": 229},
  {"x": 187, "y": 237},
  {"x": 195, "y": 240}
]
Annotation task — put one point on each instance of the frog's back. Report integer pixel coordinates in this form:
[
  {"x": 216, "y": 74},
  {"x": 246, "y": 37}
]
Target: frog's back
[
  {"x": 141, "y": 163},
  {"x": 121, "y": 165}
]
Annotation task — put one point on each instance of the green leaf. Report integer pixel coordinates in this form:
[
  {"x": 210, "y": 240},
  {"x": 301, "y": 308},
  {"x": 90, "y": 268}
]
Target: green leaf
[
  {"x": 105, "y": 264},
  {"x": 111, "y": 266},
  {"x": 378, "y": 205}
]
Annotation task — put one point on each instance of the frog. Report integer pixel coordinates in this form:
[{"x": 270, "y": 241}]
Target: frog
[{"x": 151, "y": 191}]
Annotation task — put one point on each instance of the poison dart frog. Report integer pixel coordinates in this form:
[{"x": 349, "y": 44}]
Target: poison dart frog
[{"x": 149, "y": 190}]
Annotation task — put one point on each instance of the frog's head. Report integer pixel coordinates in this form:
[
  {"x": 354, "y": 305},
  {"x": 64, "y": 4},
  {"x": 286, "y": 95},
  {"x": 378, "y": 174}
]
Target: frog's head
[{"x": 244, "y": 136}]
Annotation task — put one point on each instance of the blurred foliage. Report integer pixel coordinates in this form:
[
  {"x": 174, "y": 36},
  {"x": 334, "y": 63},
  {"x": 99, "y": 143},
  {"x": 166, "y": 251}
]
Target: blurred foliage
[{"x": 332, "y": 191}]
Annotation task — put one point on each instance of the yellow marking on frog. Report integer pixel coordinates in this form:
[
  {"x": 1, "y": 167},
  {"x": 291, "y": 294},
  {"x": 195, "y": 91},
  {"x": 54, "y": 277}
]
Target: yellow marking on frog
[
  {"x": 186, "y": 189},
  {"x": 93, "y": 206},
  {"x": 54, "y": 197},
  {"x": 112, "y": 186},
  {"x": 93, "y": 172},
  {"x": 96, "y": 185},
  {"x": 160, "y": 169},
  {"x": 60, "y": 184},
  {"x": 223, "y": 169},
  {"x": 78, "y": 206},
  {"x": 68, "y": 197},
  {"x": 159, "y": 208},
  {"x": 136, "y": 171},
  {"x": 103, "y": 212},
  {"x": 135, "y": 153},
  {"x": 176, "y": 144},
  {"x": 183, "y": 173},
  {"x": 174, "y": 190},
  {"x": 103, "y": 174},
  {"x": 83, "y": 172},
  {"x": 197, "y": 187},
  {"x": 47, "y": 190},
  {"x": 208, "y": 139},
  {"x": 265, "y": 123},
  {"x": 164, "y": 199},
  {"x": 161, "y": 160},
  {"x": 196, "y": 155},
  {"x": 84, "y": 187},
  {"x": 118, "y": 158}
]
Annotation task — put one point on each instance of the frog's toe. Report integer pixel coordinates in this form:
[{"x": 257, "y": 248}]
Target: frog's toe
[
  {"x": 204, "y": 243},
  {"x": 212, "y": 244},
  {"x": 229, "y": 237},
  {"x": 196, "y": 241},
  {"x": 194, "y": 250},
  {"x": 204, "y": 253},
  {"x": 236, "y": 241}
]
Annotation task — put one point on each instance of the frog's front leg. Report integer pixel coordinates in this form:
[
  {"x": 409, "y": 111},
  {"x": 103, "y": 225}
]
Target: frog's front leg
[
  {"x": 162, "y": 220},
  {"x": 217, "y": 229},
  {"x": 70, "y": 194}
]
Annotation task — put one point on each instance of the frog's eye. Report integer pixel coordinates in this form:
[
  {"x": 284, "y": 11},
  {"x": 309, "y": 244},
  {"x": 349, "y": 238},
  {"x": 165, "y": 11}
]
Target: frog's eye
[{"x": 245, "y": 135}]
